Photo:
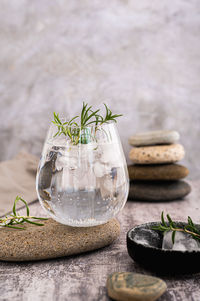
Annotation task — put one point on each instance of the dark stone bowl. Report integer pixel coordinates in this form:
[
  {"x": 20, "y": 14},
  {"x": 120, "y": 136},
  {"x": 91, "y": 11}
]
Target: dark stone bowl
[{"x": 145, "y": 247}]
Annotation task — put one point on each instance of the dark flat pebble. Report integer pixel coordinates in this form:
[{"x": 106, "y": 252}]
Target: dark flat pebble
[{"x": 158, "y": 191}]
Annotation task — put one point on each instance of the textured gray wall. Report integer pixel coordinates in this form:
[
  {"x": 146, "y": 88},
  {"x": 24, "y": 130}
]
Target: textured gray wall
[{"x": 140, "y": 57}]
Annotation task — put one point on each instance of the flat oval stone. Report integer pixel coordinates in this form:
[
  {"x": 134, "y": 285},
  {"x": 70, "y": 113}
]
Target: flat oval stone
[
  {"x": 157, "y": 172},
  {"x": 158, "y": 191},
  {"x": 157, "y": 154},
  {"x": 154, "y": 137},
  {"x": 126, "y": 286},
  {"x": 54, "y": 240}
]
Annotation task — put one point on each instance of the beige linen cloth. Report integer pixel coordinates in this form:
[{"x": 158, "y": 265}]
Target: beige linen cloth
[{"x": 17, "y": 177}]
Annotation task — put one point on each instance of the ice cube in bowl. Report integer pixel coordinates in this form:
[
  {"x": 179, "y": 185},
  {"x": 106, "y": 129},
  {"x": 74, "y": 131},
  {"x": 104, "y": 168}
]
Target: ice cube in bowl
[{"x": 183, "y": 242}]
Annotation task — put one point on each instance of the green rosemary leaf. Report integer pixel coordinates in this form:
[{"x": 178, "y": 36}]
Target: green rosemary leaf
[
  {"x": 15, "y": 203},
  {"x": 160, "y": 228},
  {"x": 91, "y": 122},
  {"x": 56, "y": 134},
  {"x": 170, "y": 220},
  {"x": 85, "y": 117},
  {"x": 13, "y": 227},
  {"x": 69, "y": 133},
  {"x": 56, "y": 118},
  {"x": 115, "y": 116},
  {"x": 70, "y": 122},
  {"x": 155, "y": 228},
  {"x": 109, "y": 116},
  {"x": 82, "y": 112},
  {"x": 40, "y": 218},
  {"x": 162, "y": 219},
  {"x": 16, "y": 219},
  {"x": 107, "y": 110},
  {"x": 192, "y": 229},
  {"x": 98, "y": 118},
  {"x": 164, "y": 228},
  {"x": 90, "y": 116},
  {"x": 34, "y": 223},
  {"x": 173, "y": 236},
  {"x": 190, "y": 222}
]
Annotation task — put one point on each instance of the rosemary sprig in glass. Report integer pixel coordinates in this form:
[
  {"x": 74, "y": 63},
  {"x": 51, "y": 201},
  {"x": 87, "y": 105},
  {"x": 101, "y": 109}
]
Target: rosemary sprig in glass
[
  {"x": 15, "y": 219},
  {"x": 170, "y": 225},
  {"x": 79, "y": 132}
]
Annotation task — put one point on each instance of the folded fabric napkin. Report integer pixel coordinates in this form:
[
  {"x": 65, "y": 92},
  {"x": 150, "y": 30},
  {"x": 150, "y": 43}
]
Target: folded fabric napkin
[{"x": 17, "y": 177}]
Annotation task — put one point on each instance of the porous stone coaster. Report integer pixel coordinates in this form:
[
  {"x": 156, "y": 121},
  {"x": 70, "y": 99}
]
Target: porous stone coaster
[
  {"x": 126, "y": 286},
  {"x": 158, "y": 191},
  {"x": 155, "y": 137},
  {"x": 157, "y": 154},
  {"x": 54, "y": 240},
  {"x": 157, "y": 172}
]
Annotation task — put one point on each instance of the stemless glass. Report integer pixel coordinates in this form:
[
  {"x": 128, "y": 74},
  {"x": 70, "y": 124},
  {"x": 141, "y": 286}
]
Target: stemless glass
[{"x": 84, "y": 183}]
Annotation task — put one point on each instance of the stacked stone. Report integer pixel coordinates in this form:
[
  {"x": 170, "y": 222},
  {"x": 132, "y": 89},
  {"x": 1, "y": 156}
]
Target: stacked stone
[{"x": 155, "y": 175}]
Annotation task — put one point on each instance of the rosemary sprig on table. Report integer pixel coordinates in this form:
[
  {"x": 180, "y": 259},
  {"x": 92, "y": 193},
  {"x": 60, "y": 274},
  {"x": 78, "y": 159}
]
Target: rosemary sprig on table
[
  {"x": 15, "y": 219},
  {"x": 79, "y": 132},
  {"x": 170, "y": 225}
]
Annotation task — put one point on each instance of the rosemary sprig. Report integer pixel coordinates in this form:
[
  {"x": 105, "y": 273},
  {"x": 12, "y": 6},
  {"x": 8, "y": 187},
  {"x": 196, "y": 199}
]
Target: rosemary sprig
[
  {"x": 110, "y": 116},
  {"x": 63, "y": 127},
  {"x": 189, "y": 228},
  {"x": 79, "y": 132},
  {"x": 15, "y": 219},
  {"x": 87, "y": 114}
]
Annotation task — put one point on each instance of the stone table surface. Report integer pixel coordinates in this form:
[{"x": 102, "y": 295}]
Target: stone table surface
[{"x": 83, "y": 277}]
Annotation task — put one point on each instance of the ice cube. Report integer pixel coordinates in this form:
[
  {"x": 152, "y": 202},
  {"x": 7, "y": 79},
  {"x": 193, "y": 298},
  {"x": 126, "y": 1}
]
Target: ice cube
[
  {"x": 101, "y": 169},
  {"x": 59, "y": 141},
  {"x": 76, "y": 179},
  {"x": 69, "y": 157},
  {"x": 87, "y": 152},
  {"x": 110, "y": 154},
  {"x": 183, "y": 242},
  {"x": 147, "y": 237},
  {"x": 107, "y": 186},
  {"x": 84, "y": 148},
  {"x": 75, "y": 164},
  {"x": 66, "y": 161},
  {"x": 84, "y": 179},
  {"x": 109, "y": 183},
  {"x": 114, "y": 179},
  {"x": 120, "y": 176}
]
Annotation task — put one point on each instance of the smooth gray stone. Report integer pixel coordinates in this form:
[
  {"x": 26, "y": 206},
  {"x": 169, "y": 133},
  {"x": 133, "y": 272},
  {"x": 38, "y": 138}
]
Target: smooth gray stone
[
  {"x": 158, "y": 190},
  {"x": 127, "y": 286},
  {"x": 154, "y": 137}
]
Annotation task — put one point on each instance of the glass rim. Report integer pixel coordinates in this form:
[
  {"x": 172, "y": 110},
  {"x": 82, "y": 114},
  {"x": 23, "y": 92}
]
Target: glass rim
[{"x": 92, "y": 125}]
